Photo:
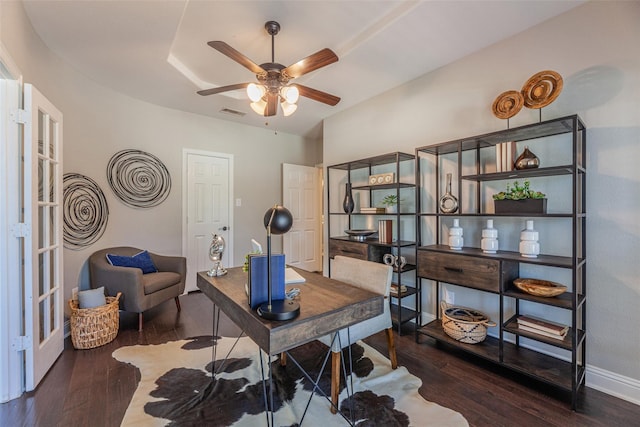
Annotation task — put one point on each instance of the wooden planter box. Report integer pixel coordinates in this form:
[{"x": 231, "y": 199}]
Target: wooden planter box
[{"x": 526, "y": 206}]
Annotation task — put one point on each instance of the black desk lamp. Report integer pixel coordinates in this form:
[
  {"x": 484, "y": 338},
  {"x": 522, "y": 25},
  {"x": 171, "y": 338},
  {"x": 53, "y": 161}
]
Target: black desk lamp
[{"x": 277, "y": 220}]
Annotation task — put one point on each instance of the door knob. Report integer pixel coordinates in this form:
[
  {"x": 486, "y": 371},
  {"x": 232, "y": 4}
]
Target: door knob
[{"x": 225, "y": 228}]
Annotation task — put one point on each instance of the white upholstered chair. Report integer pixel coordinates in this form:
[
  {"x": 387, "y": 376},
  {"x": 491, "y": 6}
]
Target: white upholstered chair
[{"x": 374, "y": 277}]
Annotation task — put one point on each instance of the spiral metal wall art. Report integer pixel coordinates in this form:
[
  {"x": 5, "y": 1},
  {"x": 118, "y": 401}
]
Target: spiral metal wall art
[
  {"x": 85, "y": 211},
  {"x": 139, "y": 179}
]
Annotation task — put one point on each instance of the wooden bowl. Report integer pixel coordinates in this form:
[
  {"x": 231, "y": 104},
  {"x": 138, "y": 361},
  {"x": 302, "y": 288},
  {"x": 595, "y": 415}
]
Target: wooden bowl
[{"x": 540, "y": 288}]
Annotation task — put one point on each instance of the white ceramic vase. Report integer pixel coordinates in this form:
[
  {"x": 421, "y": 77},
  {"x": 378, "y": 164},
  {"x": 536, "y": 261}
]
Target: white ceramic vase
[
  {"x": 529, "y": 246},
  {"x": 456, "y": 240},
  {"x": 489, "y": 242}
]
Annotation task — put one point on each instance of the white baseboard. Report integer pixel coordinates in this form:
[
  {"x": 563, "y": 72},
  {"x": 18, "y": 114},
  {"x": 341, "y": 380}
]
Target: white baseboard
[
  {"x": 614, "y": 384},
  {"x": 599, "y": 379}
]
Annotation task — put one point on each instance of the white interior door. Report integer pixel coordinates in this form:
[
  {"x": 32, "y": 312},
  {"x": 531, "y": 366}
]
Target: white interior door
[
  {"x": 301, "y": 194},
  {"x": 208, "y": 203},
  {"x": 44, "y": 246}
]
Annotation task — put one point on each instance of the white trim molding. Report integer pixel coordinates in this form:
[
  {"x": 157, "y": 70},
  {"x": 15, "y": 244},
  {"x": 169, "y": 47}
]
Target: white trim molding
[{"x": 614, "y": 384}]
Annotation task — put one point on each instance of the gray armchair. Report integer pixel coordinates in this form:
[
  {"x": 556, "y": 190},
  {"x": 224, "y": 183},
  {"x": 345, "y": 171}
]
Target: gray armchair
[{"x": 140, "y": 292}]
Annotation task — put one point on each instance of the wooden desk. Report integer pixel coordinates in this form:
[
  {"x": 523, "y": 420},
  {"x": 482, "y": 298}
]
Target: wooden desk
[{"x": 326, "y": 305}]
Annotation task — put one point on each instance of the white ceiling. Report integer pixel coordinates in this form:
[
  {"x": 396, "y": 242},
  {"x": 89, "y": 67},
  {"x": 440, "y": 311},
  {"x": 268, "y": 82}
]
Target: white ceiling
[{"x": 156, "y": 50}]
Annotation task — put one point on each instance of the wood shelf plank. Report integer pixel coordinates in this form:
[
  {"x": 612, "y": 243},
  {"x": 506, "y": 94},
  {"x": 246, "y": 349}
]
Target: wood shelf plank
[
  {"x": 536, "y": 365},
  {"x": 405, "y": 315}
]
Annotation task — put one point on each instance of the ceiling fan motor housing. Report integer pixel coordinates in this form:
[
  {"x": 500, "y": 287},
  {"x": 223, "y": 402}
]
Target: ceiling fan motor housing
[{"x": 273, "y": 79}]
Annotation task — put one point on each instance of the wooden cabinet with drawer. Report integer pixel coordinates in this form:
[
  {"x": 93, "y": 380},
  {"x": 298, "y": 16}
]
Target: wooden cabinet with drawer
[
  {"x": 465, "y": 269},
  {"x": 361, "y": 250}
]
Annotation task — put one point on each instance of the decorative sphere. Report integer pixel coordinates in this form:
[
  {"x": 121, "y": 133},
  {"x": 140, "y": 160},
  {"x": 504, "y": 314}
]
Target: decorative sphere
[{"x": 281, "y": 222}]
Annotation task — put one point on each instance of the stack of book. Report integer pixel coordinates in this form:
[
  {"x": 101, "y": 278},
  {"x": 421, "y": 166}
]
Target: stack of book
[
  {"x": 385, "y": 231},
  {"x": 366, "y": 210},
  {"x": 394, "y": 289},
  {"x": 542, "y": 327},
  {"x": 504, "y": 156}
]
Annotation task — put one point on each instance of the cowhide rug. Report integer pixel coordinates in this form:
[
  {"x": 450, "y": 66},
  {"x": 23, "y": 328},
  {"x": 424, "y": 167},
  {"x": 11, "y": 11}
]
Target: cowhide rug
[{"x": 175, "y": 388}]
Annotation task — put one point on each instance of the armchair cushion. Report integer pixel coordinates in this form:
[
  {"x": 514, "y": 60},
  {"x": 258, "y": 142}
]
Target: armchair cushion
[
  {"x": 141, "y": 260},
  {"x": 153, "y": 283}
]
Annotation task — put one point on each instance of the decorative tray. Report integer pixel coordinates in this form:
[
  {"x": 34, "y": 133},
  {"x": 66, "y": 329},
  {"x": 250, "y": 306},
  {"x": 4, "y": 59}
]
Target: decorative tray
[
  {"x": 359, "y": 235},
  {"x": 539, "y": 288}
]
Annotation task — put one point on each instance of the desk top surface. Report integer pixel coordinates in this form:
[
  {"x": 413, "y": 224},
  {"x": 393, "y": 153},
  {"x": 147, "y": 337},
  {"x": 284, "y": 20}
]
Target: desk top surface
[{"x": 326, "y": 305}]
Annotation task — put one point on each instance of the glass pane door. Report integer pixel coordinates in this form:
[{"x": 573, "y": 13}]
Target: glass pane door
[{"x": 44, "y": 288}]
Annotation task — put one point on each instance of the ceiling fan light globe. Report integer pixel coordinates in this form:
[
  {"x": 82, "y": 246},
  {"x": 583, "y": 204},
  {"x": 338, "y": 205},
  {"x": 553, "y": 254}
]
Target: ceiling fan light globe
[
  {"x": 255, "y": 92},
  {"x": 259, "y": 107},
  {"x": 291, "y": 94},
  {"x": 288, "y": 108}
]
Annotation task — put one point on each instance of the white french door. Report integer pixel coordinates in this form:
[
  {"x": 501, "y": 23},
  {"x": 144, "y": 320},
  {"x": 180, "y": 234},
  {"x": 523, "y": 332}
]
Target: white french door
[
  {"x": 43, "y": 244},
  {"x": 302, "y": 195},
  {"x": 207, "y": 197},
  {"x": 11, "y": 244}
]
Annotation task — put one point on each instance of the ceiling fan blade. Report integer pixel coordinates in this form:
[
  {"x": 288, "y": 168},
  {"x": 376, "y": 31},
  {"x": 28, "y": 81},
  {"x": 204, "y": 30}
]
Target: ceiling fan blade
[
  {"x": 215, "y": 90},
  {"x": 317, "y": 60},
  {"x": 227, "y": 50},
  {"x": 272, "y": 105},
  {"x": 317, "y": 95}
]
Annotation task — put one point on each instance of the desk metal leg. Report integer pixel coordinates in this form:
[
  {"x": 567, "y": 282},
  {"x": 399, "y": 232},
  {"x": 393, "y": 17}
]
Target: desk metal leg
[
  {"x": 316, "y": 382},
  {"x": 268, "y": 405},
  {"x": 214, "y": 347},
  {"x": 348, "y": 387},
  {"x": 268, "y": 397}
]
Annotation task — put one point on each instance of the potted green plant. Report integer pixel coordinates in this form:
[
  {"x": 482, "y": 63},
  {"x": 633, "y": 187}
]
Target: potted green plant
[
  {"x": 520, "y": 199},
  {"x": 390, "y": 201}
]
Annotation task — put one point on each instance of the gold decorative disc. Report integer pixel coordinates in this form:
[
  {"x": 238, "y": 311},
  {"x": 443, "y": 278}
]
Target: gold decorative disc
[
  {"x": 507, "y": 104},
  {"x": 542, "y": 89}
]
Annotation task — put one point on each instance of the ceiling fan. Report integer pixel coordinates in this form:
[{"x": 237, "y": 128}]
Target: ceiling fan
[{"x": 273, "y": 86}]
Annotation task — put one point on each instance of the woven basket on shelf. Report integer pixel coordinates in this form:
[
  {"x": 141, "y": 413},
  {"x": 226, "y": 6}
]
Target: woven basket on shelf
[
  {"x": 93, "y": 327},
  {"x": 464, "y": 324}
]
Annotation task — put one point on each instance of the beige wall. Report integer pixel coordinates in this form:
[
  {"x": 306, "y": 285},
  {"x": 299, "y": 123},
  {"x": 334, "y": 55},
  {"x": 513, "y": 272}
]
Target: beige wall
[
  {"x": 594, "y": 48},
  {"x": 99, "y": 122}
]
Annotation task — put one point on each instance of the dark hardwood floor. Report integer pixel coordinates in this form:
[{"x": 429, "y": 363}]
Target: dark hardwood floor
[{"x": 90, "y": 388}]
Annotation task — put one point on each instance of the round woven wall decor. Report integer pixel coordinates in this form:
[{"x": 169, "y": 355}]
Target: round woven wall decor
[
  {"x": 139, "y": 179},
  {"x": 85, "y": 211},
  {"x": 507, "y": 104},
  {"x": 542, "y": 89}
]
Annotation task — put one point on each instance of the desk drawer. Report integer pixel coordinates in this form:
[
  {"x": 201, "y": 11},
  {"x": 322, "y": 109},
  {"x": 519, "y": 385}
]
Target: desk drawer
[
  {"x": 465, "y": 270},
  {"x": 350, "y": 249}
]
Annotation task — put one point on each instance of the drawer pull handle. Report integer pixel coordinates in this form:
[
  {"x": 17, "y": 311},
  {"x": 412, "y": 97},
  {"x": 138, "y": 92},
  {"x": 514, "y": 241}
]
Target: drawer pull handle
[{"x": 453, "y": 269}]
